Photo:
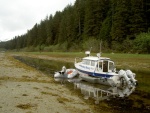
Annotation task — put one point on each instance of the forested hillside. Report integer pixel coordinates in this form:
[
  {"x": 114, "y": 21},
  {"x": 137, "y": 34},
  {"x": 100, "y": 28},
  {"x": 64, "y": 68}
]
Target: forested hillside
[{"x": 122, "y": 25}]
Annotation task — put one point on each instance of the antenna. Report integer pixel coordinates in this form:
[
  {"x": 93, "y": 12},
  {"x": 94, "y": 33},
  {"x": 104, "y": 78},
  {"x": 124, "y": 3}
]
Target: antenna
[
  {"x": 100, "y": 46},
  {"x": 90, "y": 49}
]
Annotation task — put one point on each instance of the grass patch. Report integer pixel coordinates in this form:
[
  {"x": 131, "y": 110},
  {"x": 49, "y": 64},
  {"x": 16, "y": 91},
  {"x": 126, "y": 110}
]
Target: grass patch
[
  {"x": 5, "y": 78},
  {"x": 24, "y": 76},
  {"x": 35, "y": 88},
  {"x": 26, "y": 106},
  {"x": 63, "y": 100},
  {"x": 24, "y": 95},
  {"x": 49, "y": 93},
  {"x": 59, "y": 54},
  {"x": 47, "y": 87}
]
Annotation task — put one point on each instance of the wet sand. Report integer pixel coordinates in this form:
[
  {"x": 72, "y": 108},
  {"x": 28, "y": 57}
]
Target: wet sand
[{"x": 23, "y": 89}]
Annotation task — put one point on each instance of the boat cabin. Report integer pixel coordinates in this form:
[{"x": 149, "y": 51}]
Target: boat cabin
[{"x": 101, "y": 64}]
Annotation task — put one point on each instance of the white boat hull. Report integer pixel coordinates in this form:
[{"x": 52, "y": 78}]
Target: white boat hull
[
  {"x": 71, "y": 73},
  {"x": 116, "y": 80},
  {"x": 105, "y": 81}
]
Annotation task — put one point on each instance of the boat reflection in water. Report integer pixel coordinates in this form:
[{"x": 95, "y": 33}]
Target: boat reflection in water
[{"x": 98, "y": 92}]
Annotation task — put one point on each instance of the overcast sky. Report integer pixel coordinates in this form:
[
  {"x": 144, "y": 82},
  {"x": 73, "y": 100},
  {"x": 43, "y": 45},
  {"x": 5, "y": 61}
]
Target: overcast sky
[{"x": 18, "y": 16}]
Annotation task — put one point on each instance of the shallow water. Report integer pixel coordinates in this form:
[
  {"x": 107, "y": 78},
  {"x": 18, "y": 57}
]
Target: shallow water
[{"x": 103, "y": 98}]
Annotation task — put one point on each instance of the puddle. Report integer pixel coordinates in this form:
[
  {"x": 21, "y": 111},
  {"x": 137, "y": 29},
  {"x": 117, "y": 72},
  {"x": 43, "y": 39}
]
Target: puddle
[
  {"x": 114, "y": 99},
  {"x": 46, "y": 66}
]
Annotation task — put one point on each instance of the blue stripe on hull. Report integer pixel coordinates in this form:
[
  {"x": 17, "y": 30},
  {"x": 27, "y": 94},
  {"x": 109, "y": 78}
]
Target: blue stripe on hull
[{"x": 96, "y": 74}]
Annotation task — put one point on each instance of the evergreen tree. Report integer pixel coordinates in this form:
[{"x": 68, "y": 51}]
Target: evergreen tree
[
  {"x": 95, "y": 13},
  {"x": 49, "y": 40},
  {"x": 137, "y": 18},
  {"x": 105, "y": 31},
  {"x": 120, "y": 19},
  {"x": 42, "y": 35},
  {"x": 35, "y": 35},
  {"x": 89, "y": 22},
  {"x": 67, "y": 26},
  {"x": 147, "y": 13},
  {"x": 146, "y": 8},
  {"x": 55, "y": 27},
  {"x": 79, "y": 15}
]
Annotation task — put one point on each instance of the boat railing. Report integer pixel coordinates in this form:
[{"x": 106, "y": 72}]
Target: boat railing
[{"x": 77, "y": 59}]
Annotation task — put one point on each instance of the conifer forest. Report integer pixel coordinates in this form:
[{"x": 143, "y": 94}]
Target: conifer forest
[{"x": 121, "y": 26}]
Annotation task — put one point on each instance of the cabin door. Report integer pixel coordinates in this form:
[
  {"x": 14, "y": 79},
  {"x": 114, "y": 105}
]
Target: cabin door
[{"x": 105, "y": 66}]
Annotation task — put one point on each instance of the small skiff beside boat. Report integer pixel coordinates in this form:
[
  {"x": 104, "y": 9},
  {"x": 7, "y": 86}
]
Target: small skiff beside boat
[{"x": 66, "y": 73}]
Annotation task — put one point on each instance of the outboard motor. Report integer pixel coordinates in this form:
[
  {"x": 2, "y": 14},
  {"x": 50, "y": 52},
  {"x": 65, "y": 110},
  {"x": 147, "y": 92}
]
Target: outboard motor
[
  {"x": 61, "y": 73},
  {"x": 123, "y": 74},
  {"x": 63, "y": 70},
  {"x": 131, "y": 76}
]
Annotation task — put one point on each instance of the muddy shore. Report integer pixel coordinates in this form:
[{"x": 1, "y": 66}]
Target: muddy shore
[{"x": 23, "y": 89}]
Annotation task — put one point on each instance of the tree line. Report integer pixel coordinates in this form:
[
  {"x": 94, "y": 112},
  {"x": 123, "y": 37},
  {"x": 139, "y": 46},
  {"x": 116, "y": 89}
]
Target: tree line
[{"x": 117, "y": 23}]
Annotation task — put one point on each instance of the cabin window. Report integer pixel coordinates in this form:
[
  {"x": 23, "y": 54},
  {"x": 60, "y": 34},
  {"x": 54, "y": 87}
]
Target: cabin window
[
  {"x": 99, "y": 66},
  {"x": 92, "y": 63},
  {"x": 111, "y": 65},
  {"x": 87, "y": 62},
  {"x": 84, "y": 61}
]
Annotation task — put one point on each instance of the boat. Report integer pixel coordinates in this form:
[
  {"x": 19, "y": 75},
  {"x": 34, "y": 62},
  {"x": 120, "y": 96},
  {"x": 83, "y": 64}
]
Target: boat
[
  {"x": 97, "y": 69},
  {"x": 66, "y": 73}
]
